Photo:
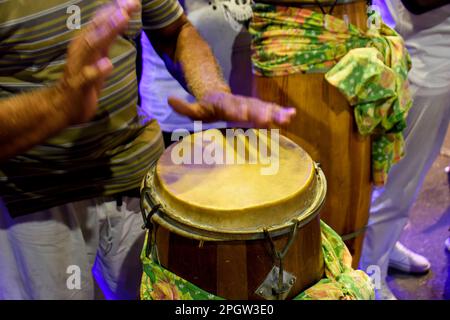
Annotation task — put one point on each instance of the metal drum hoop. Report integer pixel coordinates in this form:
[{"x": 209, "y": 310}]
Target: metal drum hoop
[{"x": 159, "y": 214}]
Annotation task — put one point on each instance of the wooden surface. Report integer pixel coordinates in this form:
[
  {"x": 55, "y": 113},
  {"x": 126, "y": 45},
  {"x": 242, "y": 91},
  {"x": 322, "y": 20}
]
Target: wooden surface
[
  {"x": 324, "y": 126},
  {"x": 235, "y": 269}
]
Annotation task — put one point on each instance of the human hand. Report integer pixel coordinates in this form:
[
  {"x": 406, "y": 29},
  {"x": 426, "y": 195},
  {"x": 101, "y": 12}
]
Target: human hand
[
  {"x": 221, "y": 106},
  {"x": 88, "y": 64}
]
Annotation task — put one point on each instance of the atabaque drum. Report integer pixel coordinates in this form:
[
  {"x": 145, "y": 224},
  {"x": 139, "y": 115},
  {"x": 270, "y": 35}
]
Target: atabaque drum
[
  {"x": 237, "y": 214},
  {"x": 325, "y": 127}
]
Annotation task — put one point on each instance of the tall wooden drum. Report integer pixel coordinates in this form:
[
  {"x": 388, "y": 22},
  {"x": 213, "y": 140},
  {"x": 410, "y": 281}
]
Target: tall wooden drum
[
  {"x": 325, "y": 127},
  {"x": 233, "y": 229}
]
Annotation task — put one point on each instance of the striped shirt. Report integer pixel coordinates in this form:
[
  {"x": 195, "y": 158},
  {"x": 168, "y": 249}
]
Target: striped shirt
[{"x": 106, "y": 156}]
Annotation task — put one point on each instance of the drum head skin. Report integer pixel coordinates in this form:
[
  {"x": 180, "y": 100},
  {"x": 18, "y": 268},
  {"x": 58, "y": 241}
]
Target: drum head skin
[{"x": 236, "y": 186}]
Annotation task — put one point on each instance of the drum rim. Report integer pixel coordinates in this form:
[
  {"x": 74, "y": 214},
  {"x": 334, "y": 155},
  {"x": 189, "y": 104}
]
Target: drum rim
[{"x": 187, "y": 229}]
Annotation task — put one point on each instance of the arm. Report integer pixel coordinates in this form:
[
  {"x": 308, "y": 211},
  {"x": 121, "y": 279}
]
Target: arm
[
  {"x": 185, "y": 47},
  {"x": 28, "y": 119},
  {"x": 31, "y": 118},
  {"x": 182, "y": 44}
]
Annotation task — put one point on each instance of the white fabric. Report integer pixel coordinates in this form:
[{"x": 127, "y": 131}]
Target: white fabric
[
  {"x": 157, "y": 83},
  {"x": 98, "y": 237},
  {"x": 427, "y": 125},
  {"x": 427, "y": 36}
]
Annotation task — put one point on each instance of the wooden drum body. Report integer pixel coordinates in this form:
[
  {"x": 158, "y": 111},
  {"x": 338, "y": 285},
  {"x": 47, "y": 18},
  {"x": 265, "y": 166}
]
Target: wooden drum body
[
  {"x": 325, "y": 127},
  {"x": 219, "y": 226}
]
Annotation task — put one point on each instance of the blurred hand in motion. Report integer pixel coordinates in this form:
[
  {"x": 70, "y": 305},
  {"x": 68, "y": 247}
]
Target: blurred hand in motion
[
  {"x": 88, "y": 64},
  {"x": 221, "y": 106}
]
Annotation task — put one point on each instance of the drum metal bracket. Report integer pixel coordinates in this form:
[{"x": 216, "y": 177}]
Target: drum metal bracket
[
  {"x": 151, "y": 248},
  {"x": 278, "y": 282},
  {"x": 270, "y": 290},
  {"x": 333, "y": 5},
  {"x": 147, "y": 217}
]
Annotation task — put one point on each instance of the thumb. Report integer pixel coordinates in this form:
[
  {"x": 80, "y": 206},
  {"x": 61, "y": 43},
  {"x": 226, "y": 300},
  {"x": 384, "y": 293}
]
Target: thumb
[
  {"x": 93, "y": 73},
  {"x": 184, "y": 108}
]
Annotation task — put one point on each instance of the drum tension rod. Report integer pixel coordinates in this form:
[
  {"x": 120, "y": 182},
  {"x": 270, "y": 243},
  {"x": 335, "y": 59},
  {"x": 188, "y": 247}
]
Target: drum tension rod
[
  {"x": 279, "y": 256},
  {"x": 331, "y": 9},
  {"x": 151, "y": 249},
  {"x": 151, "y": 243},
  {"x": 147, "y": 217}
]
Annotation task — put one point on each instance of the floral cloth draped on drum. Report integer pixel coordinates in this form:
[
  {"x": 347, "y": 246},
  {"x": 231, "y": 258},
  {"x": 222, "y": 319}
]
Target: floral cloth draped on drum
[
  {"x": 341, "y": 282},
  {"x": 369, "y": 68}
]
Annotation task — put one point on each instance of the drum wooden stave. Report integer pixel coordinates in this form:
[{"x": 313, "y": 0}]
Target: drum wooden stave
[
  {"x": 325, "y": 127},
  {"x": 210, "y": 250}
]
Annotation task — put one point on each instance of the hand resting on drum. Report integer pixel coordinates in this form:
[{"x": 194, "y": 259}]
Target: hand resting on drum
[{"x": 224, "y": 106}]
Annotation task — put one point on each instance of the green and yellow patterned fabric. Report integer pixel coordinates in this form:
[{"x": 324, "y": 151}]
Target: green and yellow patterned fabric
[
  {"x": 341, "y": 282},
  {"x": 370, "y": 68}
]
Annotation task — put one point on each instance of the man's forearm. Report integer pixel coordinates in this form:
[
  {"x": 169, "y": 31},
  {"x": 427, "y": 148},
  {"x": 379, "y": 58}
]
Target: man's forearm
[
  {"x": 180, "y": 42},
  {"x": 185, "y": 48},
  {"x": 200, "y": 67},
  {"x": 30, "y": 118}
]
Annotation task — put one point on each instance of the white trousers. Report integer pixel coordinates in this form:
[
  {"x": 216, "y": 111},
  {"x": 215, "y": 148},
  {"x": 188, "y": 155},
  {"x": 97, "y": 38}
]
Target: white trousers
[
  {"x": 57, "y": 253},
  {"x": 427, "y": 125}
]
